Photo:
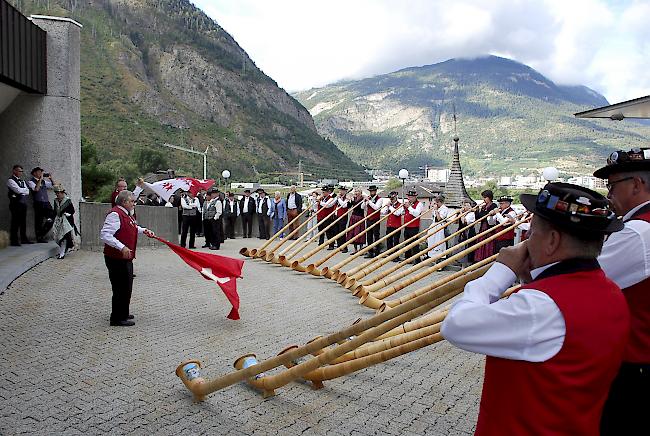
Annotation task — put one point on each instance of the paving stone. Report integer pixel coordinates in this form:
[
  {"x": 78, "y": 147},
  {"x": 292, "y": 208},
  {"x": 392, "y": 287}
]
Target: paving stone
[{"x": 64, "y": 370}]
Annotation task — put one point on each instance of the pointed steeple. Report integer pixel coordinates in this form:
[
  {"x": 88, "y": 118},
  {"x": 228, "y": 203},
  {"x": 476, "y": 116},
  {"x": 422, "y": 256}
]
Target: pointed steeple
[{"x": 455, "y": 191}]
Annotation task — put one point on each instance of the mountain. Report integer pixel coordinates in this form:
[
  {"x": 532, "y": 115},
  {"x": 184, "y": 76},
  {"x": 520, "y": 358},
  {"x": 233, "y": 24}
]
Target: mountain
[
  {"x": 510, "y": 119},
  {"x": 161, "y": 71}
]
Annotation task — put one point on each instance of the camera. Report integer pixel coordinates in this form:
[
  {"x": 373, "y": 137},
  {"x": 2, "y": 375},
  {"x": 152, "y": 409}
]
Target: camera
[{"x": 46, "y": 174}]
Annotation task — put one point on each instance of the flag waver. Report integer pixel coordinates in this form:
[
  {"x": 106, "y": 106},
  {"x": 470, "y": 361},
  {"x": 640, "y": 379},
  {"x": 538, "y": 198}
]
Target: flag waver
[{"x": 220, "y": 269}]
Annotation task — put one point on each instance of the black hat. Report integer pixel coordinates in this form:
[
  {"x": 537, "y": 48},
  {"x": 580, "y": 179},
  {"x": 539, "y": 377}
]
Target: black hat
[
  {"x": 247, "y": 190},
  {"x": 344, "y": 188},
  {"x": 330, "y": 187},
  {"x": 213, "y": 191},
  {"x": 573, "y": 208},
  {"x": 505, "y": 198},
  {"x": 412, "y": 193},
  {"x": 637, "y": 159},
  {"x": 393, "y": 194},
  {"x": 372, "y": 188},
  {"x": 36, "y": 169}
]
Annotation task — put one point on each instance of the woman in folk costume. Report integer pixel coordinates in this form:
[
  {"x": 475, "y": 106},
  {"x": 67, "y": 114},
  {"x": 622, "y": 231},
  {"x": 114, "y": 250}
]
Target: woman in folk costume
[
  {"x": 358, "y": 206},
  {"x": 488, "y": 206},
  {"x": 63, "y": 221},
  {"x": 465, "y": 221},
  {"x": 440, "y": 213}
]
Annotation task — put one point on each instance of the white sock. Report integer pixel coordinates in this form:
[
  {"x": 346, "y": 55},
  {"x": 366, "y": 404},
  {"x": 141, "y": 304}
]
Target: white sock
[{"x": 62, "y": 249}]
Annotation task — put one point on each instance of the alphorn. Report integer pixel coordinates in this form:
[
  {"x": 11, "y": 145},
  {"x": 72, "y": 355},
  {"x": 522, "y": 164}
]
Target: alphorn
[
  {"x": 296, "y": 265},
  {"x": 351, "y": 276},
  {"x": 269, "y": 255},
  {"x": 336, "y": 268},
  {"x": 401, "y": 285},
  {"x": 367, "y": 330},
  {"x": 252, "y": 252},
  {"x": 312, "y": 268},
  {"x": 387, "y": 280},
  {"x": 374, "y": 267}
]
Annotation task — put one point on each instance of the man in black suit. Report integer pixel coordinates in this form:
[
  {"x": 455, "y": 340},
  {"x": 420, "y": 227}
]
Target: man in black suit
[
  {"x": 230, "y": 214},
  {"x": 294, "y": 207},
  {"x": 262, "y": 207},
  {"x": 247, "y": 210}
]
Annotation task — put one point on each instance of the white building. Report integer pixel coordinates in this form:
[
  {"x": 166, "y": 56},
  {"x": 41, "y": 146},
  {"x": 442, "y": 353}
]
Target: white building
[
  {"x": 438, "y": 175},
  {"x": 590, "y": 182}
]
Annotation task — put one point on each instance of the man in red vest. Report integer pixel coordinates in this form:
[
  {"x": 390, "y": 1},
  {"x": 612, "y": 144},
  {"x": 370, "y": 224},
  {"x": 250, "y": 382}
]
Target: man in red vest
[
  {"x": 395, "y": 210},
  {"x": 554, "y": 346},
  {"x": 413, "y": 210},
  {"x": 120, "y": 236},
  {"x": 505, "y": 215},
  {"x": 626, "y": 260},
  {"x": 326, "y": 205}
]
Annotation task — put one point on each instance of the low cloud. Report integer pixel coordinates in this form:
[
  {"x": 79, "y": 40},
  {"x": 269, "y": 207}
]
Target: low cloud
[{"x": 304, "y": 44}]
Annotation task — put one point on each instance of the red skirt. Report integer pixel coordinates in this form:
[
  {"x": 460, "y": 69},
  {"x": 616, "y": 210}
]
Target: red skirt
[
  {"x": 486, "y": 250},
  {"x": 354, "y": 234}
]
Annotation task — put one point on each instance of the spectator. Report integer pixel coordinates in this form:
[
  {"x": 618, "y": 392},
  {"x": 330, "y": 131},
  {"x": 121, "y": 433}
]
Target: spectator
[
  {"x": 190, "y": 205},
  {"x": 230, "y": 213},
  {"x": 278, "y": 213},
  {"x": 18, "y": 192},
  {"x": 63, "y": 221},
  {"x": 263, "y": 209},
  {"x": 43, "y": 213},
  {"x": 294, "y": 206},
  {"x": 247, "y": 210},
  {"x": 120, "y": 186},
  {"x": 312, "y": 205}
]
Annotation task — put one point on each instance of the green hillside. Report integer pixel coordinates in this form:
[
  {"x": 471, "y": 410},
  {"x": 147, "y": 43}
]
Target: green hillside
[
  {"x": 161, "y": 71},
  {"x": 511, "y": 119}
]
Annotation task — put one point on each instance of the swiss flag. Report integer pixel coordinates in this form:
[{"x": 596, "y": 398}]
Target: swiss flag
[
  {"x": 220, "y": 269},
  {"x": 197, "y": 184}
]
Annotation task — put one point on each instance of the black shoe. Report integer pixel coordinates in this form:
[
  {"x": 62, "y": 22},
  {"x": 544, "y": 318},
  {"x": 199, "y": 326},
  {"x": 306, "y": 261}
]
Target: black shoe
[
  {"x": 205, "y": 246},
  {"x": 192, "y": 247},
  {"x": 345, "y": 250},
  {"x": 133, "y": 275},
  {"x": 41, "y": 241},
  {"x": 330, "y": 248},
  {"x": 26, "y": 242},
  {"x": 15, "y": 244},
  {"x": 130, "y": 317},
  {"x": 123, "y": 323},
  {"x": 214, "y": 248},
  {"x": 397, "y": 259},
  {"x": 369, "y": 256}
]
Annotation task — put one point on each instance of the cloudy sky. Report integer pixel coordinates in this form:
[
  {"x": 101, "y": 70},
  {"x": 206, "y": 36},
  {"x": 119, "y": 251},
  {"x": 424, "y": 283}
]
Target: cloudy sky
[{"x": 309, "y": 43}]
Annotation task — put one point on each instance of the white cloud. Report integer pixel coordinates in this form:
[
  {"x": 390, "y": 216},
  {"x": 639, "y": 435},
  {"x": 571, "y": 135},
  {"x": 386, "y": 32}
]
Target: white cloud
[{"x": 304, "y": 44}]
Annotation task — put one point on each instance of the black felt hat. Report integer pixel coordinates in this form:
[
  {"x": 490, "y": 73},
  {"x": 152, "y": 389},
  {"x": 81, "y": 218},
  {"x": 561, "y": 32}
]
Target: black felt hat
[
  {"x": 393, "y": 194},
  {"x": 372, "y": 188},
  {"x": 412, "y": 193},
  {"x": 573, "y": 208},
  {"x": 36, "y": 169},
  {"x": 506, "y": 198},
  {"x": 637, "y": 159}
]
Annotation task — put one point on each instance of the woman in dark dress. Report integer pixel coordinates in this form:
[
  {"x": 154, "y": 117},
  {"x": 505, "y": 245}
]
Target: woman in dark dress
[
  {"x": 467, "y": 220},
  {"x": 358, "y": 207},
  {"x": 486, "y": 250}
]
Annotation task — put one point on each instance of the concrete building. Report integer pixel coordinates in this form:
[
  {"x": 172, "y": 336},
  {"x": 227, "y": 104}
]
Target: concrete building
[{"x": 39, "y": 100}]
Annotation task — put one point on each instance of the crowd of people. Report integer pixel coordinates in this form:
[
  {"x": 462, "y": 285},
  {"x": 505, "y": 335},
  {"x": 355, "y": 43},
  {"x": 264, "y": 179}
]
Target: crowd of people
[{"x": 57, "y": 216}]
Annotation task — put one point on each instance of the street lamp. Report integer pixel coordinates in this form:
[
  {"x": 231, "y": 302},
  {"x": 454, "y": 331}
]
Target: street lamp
[
  {"x": 189, "y": 150},
  {"x": 226, "y": 175},
  {"x": 403, "y": 174},
  {"x": 550, "y": 174}
]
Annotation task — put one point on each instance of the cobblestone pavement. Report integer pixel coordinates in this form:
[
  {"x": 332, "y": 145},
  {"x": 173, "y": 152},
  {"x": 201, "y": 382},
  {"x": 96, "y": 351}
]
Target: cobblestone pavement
[{"x": 63, "y": 370}]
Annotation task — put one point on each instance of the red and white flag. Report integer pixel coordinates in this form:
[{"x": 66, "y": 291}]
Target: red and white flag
[
  {"x": 165, "y": 188},
  {"x": 220, "y": 269},
  {"x": 195, "y": 185}
]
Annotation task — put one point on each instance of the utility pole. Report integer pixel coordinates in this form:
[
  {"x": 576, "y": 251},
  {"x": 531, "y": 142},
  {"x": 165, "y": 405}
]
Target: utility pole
[
  {"x": 202, "y": 153},
  {"x": 301, "y": 174}
]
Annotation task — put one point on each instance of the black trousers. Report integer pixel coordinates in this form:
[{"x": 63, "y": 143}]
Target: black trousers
[
  {"x": 199, "y": 225},
  {"x": 18, "y": 222},
  {"x": 331, "y": 232},
  {"x": 217, "y": 233},
  {"x": 247, "y": 224},
  {"x": 231, "y": 220},
  {"x": 264, "y": 225},
  {"x": 373, "y": 235},
  {"x": 43, "y": 218},
  {"x": 626, "y": 408},
  {"x": 392, "y": 241},
  {"x": 409, "y": 232},
  {"x": 208, "y": 232},
  {"x": 321, "y": 226},
  {"x": 189, "y": 223},
  {"x": 341, "y": 226},
  {"x": 120, "y": 273}
]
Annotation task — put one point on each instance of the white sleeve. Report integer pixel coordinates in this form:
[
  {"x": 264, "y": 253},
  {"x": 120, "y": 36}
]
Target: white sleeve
[
  {"x": 11, "y": 184},
  {"x": 218, "y": 207},
  {"x": 30, "y": 184},
  {"x": 110, "y": 227},
  {"x": 492, "y": 219},
  {"x": 470, "y": 218},
  {"x": 342, "y": 202},
  {"x": 526, "y": 326},
  {"x": 416, "y": 211},
  {"x": 625, "y": 257},
  {"x": 375, "y": 205}
]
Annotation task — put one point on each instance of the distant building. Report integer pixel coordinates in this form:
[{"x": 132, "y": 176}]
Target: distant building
[
  {"x": 239, "y": 186},
  {"x": 590, "y": 182},
  {"x": 438, "y": 175}
]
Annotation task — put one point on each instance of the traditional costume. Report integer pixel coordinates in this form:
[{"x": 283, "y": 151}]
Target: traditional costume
[
  {"x": 343, "y": 207},
  {"x": 395, "y": 211},
  {"x": 63, "y": 223},
  {"x": 373, "y": 212},
  {"x": 439, "y": 216},
  {"x": 327, "y": 205},
  {"x": 503, "y": 218},
  {"x": 412, "y": 221},
  {"x": 486, "y": 250}
]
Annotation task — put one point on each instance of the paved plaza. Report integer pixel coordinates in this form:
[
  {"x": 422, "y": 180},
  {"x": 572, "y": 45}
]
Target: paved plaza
[{"x": 63, "y": 370}]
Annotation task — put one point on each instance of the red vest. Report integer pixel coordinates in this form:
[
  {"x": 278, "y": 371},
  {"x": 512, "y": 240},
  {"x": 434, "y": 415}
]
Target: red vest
[
  {"x": 638, "y": 300},
  {"x": 127, "y": 234},
  {"x": 510, "y": 234},
  {"x": 324, "y": 211},
  {"x": 408, "y": 217},
  {"x": 394, "y": 221},
  {"x": 565, "y": 394},
  {"x": 373, "y": 215},
  {"x": 341, "y": 210}
]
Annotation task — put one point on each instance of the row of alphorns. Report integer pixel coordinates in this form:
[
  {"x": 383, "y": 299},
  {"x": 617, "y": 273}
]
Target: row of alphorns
[
  {"x": 367, "y": 281},
  {"x": 412, "y": 322}
]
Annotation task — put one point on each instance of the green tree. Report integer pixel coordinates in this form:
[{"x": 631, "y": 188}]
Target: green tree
[
  {"x": 393, "y": 184},
  {"x": 93, "y": 177},
  {"x": 149, "y": 160}
]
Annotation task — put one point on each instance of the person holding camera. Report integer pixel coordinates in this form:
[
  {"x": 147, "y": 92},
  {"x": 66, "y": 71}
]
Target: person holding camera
[
  {"x": 43, "y": 212},
  {"x": 191, "y": 207}
]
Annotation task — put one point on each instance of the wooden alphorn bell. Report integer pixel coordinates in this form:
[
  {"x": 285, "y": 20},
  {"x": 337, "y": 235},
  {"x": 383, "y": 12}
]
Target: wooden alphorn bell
[
  {"x": 283, "y": 259},
  {"x": 296, "y": 265},
  {"x": 252, "y": 252},
  {"x": 270, "y": 256},
  {"x": 336, "y": 268},
  {"x": 399, "y": 286},
  {"x": 313, "y": 267},
  {"x": 353, "y": 282},
  {"x": 363, "y": 332},
  {"x": 375, "y": 300}
]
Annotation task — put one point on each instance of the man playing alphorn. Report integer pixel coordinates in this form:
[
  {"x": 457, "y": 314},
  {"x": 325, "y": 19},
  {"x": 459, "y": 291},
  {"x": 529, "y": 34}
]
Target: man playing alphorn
[
  {"x": 343, "y": 205},
  {"x": 394, "y": 221},
  {"x": 554, "y": 346},
  {"x": 327, "y": 204},
  {"x": 412, "y": 211},
  {"x": 626, "y": 260},
  {"x": 373, "y": 212},
  {"x": 505, "y": 215}
]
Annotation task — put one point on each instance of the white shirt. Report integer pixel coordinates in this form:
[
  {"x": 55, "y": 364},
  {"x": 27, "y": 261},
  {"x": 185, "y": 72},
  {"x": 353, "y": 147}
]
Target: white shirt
[
  {"x": 246, "y": 200},
  {"x": 46, "y": 182},
  {"x": 291, "y": 202},
  {"x": 626, "y": 254},
  {"x": 527, "y": 326},
  {"x": 416, "y": 211},
  {"x": 11, "y": 184},
  {"x": 396, "y": 210},
  {"x": 469, "y": 218},
  {"x": 218, "y": 207},
  {"x": 261, "y": 203},
  {"x": 111, "y": 226},
  {"x": 343, "y": 201},
  {"x": 375, "y": 205},
  {"x": 501, "y": 218},
  {"x": 443, "y": 211},
  {"x": 191, "y": 203},
  {"x": 328, "y": 203}
]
